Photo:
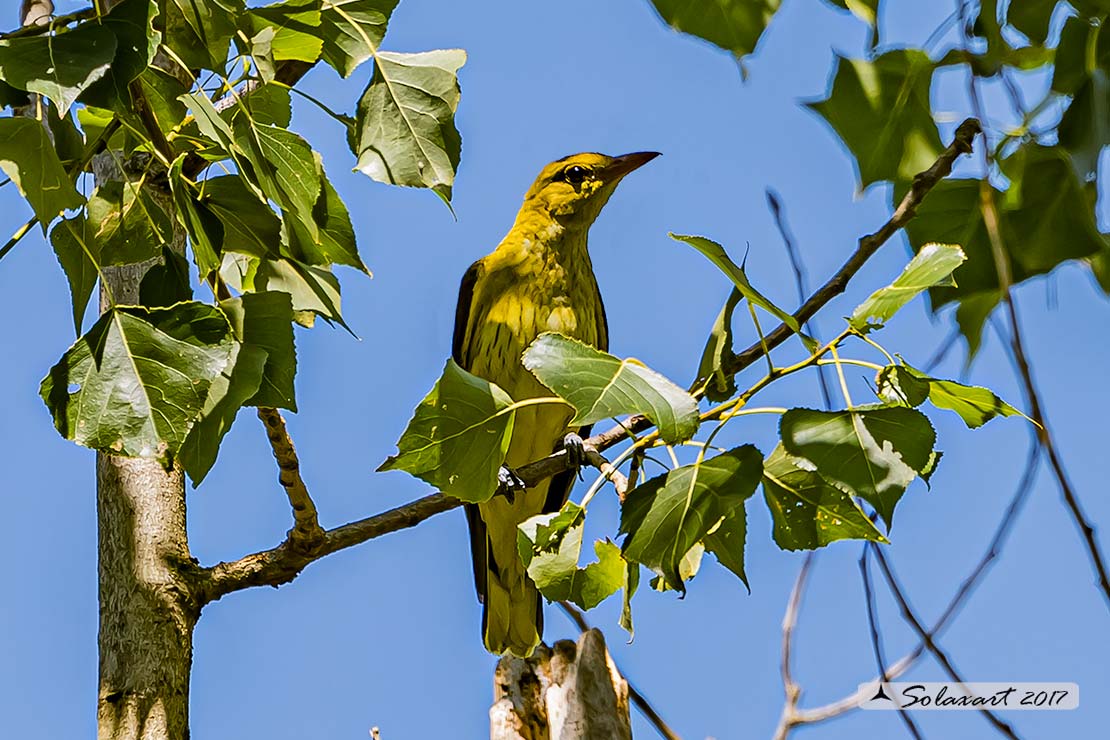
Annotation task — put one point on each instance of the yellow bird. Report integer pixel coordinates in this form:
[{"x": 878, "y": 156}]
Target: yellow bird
[{"x": 539, "y": 279}]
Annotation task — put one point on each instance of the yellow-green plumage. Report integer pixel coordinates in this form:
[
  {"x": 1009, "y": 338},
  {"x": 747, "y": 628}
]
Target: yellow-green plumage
[{"x": 539, "y": 279}]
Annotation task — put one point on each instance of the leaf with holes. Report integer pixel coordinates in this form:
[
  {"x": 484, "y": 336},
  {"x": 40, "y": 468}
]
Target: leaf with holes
[
  {"x": 600, "y": 386},
  {"x": 806, "y": 510},
  {"x": 874, "y": 452},
  {"x": 137, "y": 381}
]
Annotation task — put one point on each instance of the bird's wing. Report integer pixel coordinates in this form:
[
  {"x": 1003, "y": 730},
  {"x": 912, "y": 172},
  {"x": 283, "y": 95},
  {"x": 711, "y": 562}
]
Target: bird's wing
[{"x": 478, "y": 539}]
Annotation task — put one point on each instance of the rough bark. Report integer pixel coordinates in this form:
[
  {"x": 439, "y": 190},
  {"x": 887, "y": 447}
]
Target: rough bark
[
  {"x": 568, "y": 692},
  {"x": 147, "y": 611}
]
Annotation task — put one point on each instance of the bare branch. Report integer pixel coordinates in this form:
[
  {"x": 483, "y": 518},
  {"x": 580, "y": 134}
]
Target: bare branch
[
  {"x": 994, "y": 549},
  {"x": 877, "y": 641},
  {"x": 790, "y": 687},
  {"x": 929, "y": 641},
  {"x": 306, "y": 531},
  {"x": 35, "y": 12},
  {"x": 620, "y": 483},
  {"x": 641, "y": 702}
]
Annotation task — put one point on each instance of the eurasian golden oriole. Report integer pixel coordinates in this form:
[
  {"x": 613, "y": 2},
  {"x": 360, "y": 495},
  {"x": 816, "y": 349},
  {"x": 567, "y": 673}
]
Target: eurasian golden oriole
[{"x": 539, "y": 279}]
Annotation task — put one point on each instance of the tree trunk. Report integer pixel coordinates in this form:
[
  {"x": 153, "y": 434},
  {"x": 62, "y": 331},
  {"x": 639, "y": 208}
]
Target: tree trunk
[
  {"x": 569, "y": 692},
  {"x": 147, "y": 611}
]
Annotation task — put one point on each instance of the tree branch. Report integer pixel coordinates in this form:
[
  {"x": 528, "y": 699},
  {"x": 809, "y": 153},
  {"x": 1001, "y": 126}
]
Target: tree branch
[
  {"x": 641, "y": 702},
  {"x": 306, "y": 531},
  {"x": 791, "y": 689},
  {"x": 928, "y": 640},
  {"x": 923, "y": 183},
  {"x": 285, "y": 562}
]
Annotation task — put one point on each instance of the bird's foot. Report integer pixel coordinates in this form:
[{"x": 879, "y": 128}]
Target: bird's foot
[
  {"x": 576, "y": 451},
  {"x": 508, "y": 482}
]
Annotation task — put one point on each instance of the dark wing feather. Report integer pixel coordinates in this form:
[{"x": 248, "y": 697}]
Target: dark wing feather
[{"x": 479, "y": 545}]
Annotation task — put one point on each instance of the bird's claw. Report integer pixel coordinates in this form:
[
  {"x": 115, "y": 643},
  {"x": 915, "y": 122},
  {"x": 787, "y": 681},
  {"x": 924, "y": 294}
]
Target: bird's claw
[
  {"x": 508, "y": 482},
  {"x": 576, "y": 451}
]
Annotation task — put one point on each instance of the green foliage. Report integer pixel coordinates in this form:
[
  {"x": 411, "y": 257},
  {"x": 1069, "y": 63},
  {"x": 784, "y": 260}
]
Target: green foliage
[
  {"x": 932, "y": 266},
  {"x": 600, "y": 386},
  {"x": 136, "y": 382},
  {"x": 458, "y": 437},
  {"x": 668, "y": 515},
  {"x": 880, "y": 108},
  {"x": 550, "y": 545},
  {"x": 733, "y": 25},
  {"x": 405, "y": 129},
  {"x": 905, "y": 386},
  {"x": 79, "y": 256},
  {"x": 873, "y": 453},
  {"x": 58, "y": 67},
  {"x": 719, "y": 385},
  {"x": 29, "y": 159},
  {"x": 807, "y": 510}
]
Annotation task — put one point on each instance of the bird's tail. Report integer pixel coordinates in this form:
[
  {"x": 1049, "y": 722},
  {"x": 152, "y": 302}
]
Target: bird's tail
[{"x": 512, "y": 616}]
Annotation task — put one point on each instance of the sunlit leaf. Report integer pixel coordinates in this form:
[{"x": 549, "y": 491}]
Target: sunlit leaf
[
  {"x": 733, "y": 25},
  {"x": 313, "y": 290},
  {"x": 58, "y": 66},
  {"x": 264, "y": 320},
  {"x": 727, "y": 542},
  {"x": 29, "y": 159},
  {"x": 975, "y": 404},
  {"x": 136, "y": 382},
  {"x": 599, "y": 386},
  {"x": 127, "y": 223},
  {"x": 458, "y": 438},
  {"x": 666, "y": 516},
  {"x": 79, "y": 257},
  {"x": 405, "y": 122},
  {"x": 719, "y": 385},
  {"x": 931, "y": 266},
  {"x": 200, "y": 33},
  {"x": 352, "y": 31}
]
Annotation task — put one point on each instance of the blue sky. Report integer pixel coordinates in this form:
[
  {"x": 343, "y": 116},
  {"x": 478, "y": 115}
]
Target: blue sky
[{"x": 387, "y": 634}]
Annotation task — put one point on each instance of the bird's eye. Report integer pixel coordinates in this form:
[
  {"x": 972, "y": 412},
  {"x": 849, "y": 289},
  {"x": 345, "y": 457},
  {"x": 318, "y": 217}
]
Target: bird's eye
[{"x": 575, "y": 174}]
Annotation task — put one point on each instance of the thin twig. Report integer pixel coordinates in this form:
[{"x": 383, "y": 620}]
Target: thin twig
[
  {"x": 637, "y": 698},
  {"x": 620, "y": 483},
  {"x": 306, "y": 532},
  {"x": 791, "y": 690},
  {"x": 967, "y": 586},
  {"x": 1021, "y": 359},
  {"x": 801, "y": 283},
  {"x": 877, "y": 641},
  {"x": 929, "y": 641}
]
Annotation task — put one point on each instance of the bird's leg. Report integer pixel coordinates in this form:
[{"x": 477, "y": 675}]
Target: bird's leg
[
  {"x": 508, "y": 482},
  {"x": 576, "y": 451}
]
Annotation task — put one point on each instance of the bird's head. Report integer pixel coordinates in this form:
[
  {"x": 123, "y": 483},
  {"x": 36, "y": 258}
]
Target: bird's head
[{"x": 573, "y": 190}]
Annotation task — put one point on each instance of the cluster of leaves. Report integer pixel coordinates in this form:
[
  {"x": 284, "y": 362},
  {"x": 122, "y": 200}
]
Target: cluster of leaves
[
  {"x": 1044, "y": 172},
  {"x": 188, "y": 105},
  {"x": 824, "y": 464}
]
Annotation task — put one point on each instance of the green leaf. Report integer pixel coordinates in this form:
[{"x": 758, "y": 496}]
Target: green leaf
[
  {"x": 58, "y": 66},
  {"x": 352, "y": 31},
  {"x": 931, "y": 266},
  {"x": 733, "y": 25},
  {"x": 1031, "y": 17},
  {"x": 260, "y": 46},
  {"x": 206, "y": 233},
  {"x": 717, "y": 255},
  {"x": 27, "y": 156},
  {"x": 975, "y": 405},
  {"x": 1085, "y": 127},
  {"x": 600, "y": 386},
  {"x": 458, "y": 437},
  {"x": 127, "y": 223},
  {"x": 227, "y": 394},
  {"x": 131, "y": 22},
  {"x": 631, "y": 583},
  {"x": 688, "y": 567},
  {"x": 666, "y": 516},
  {"x": 136, "y": 382},
  {"x": 550, "y": 545},
  {"x": 874, "y": 453},
  {"x": 807, "y": 511},
  {"x": 898, "y": 386},
  {"x": 727, "y": 542},
  {"x": 267, "y": 105},
  {"x": 79, "y": 257},
  {"x": 162, "y": 93},
  {"x": 264, "y": 320},
  {"x": 719, "y": 386},
  {"x": 972, "y": 315},
  {"x": 881, "y": 110},
  {"x": 167, "y": 282},
  {"x": 249, "y": 224},
  {"x": 200, "y": 33},
  {"x": 405, "y": 122},
  {"x": 313, "y": 290},
  {"x": 335, "y": 241},
  {"x": 296, "y": 26}
]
